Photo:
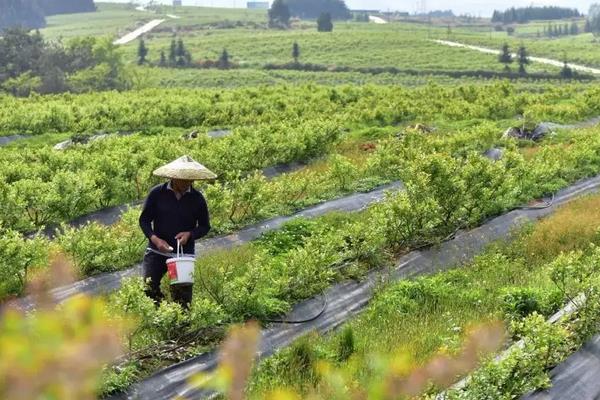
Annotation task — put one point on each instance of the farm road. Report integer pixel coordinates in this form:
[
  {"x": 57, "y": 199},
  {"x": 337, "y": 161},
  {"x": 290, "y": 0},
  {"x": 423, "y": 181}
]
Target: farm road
[
  {"x": 377, "y": 20},
  {"x": 131, "y": 36},
  {"x": 548, "y": 61}
]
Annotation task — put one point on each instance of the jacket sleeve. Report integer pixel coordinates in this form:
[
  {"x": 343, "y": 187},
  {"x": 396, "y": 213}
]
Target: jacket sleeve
[
  {"x": 148, "y": 214},
  {"x": 202, "y": 221}
]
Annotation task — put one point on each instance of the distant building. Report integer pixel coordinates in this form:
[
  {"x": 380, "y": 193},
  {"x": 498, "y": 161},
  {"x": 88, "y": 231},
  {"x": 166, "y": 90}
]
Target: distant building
[
  {"x": 365, "y": 11},
  {"x": 258, "y": 5},
  {"x": 176, "y": 3}
]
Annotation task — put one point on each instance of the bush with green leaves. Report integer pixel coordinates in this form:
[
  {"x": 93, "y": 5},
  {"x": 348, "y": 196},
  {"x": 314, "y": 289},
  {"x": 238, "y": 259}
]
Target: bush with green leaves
[
  {"x": 19, "y": 257},
  {"x": 519, "y": 303},
  {"x": 95, "y": 249}
]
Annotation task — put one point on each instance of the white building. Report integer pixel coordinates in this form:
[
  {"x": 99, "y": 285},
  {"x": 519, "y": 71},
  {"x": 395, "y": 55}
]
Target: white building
[{"x": 258, "y": 5}]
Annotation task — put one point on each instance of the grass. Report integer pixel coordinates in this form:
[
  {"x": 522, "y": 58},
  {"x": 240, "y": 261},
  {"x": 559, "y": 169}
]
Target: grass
[
  {"x": 430, "y": 315},
  {"x": 399, "y": 45},
  {"x": 109, "y": 20},
  {"x": 207, "y": 31},
  {"x": 570, "y": 228},
  {"x": 114, "y": 19}
]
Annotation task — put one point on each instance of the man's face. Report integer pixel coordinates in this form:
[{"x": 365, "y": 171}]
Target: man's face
[{"x": 181, "y": 185}]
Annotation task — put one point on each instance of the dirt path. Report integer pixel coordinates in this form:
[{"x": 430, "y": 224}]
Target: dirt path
[
  {"x": 377, "y": 20},
  {"x": 541, "y": 60},
  {"x": 142, "y": 29},
  {"x": 139, "y": 31}
]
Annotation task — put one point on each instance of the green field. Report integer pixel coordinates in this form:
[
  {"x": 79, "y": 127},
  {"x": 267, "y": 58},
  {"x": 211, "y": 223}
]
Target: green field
[
  {"x": 365, "y": 105},
  {"x": 206, "y": 32}
]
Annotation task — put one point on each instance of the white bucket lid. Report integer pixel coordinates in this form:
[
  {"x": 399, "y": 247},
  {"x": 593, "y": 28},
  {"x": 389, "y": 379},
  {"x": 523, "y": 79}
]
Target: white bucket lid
[{"x": 181, "y": 259}]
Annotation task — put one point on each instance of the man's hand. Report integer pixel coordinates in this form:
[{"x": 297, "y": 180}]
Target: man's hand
[
  {"x": 183, "y": 237},
  {"x": 160, "y": 244}
]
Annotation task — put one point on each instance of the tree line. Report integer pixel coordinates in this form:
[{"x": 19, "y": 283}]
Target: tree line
[
  {"x": 178, "y": 56},
  {"x": 310, "y": 9},
  {"x": 526, "y": 14},
  {"x": 556, "y": 30},
  {"x": 29, "y": 63},
  {"x": 32, "y": 13}
]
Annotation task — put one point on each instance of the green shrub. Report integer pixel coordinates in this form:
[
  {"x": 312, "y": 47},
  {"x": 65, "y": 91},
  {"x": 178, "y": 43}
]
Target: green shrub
[
  {"x": 18, "y": 256},
  {"x": 518, "y": 303}
]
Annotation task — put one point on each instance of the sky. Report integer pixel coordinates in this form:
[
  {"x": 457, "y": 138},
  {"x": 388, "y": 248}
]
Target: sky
[{"x": 473, "y": 7}]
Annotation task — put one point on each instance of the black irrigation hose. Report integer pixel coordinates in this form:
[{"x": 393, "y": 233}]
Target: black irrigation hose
[
  {"x": 547, "y": 204},
  {"x": 302, "y": 321}
]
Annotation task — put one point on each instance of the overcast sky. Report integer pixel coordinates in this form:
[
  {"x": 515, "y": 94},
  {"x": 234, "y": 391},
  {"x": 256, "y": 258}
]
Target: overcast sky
[{"x": 483, "y": 8}]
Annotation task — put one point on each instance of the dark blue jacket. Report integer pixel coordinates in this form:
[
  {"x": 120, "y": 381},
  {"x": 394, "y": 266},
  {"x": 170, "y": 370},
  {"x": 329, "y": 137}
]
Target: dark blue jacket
[{"x": 165, "y": 216}]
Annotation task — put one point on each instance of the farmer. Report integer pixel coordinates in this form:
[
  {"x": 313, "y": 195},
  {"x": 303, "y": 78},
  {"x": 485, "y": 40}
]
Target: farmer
[{"x": 173, "y": 211}]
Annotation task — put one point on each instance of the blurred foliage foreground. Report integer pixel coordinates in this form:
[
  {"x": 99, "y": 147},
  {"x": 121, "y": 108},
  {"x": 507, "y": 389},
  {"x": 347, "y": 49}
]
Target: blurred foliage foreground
[{"x": 59, "y": 352}]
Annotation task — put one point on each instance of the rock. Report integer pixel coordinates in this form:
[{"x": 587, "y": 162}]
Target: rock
[
  {"x": 540, "y": 132},
  {"x": 513, "y": 132},
  {"x": 191, "y": 135},
  {"x": 494, "y": 154},
  {"x": 63, "y": 145},
  {"x": 98, "y": 137}
]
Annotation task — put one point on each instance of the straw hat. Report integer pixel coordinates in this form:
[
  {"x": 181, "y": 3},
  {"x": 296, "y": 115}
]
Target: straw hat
[{"x": 185, "y": 168}]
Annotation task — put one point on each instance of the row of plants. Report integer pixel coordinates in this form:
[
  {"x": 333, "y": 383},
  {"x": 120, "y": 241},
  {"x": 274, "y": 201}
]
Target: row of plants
[
  {"x": 82, "y": 326},
  {"x": 521, "y": 283},
  {"x": 379, "y": 105},
  {"x": 365, "y": 160},
  {"x": 42, "y": 187},
  {"x": 444, "y": 191}
]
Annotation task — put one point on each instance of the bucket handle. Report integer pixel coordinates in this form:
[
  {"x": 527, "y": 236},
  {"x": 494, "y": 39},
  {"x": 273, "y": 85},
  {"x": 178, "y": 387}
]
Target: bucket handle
[{"x": 178, "y": 248}]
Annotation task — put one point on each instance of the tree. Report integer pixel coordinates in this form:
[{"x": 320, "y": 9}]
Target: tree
[
  {"x": 163, "y": 59},
  {"x": 566, "y": 72},
  {"x": 142, "y": 52},
  {"x": 324, "y": 23},
  {"x": 53, "y": 7},
  {"x": 224, "y": 60},
  {"x": 526, "y": 14},
  {"x": 279, "y": 15},
  {"x": 523, "y": 59},
  {"x": 296, "y": 52},
  {"x": 574, "y": 28},
  {"x": 21, "y": 13},
  {"x": 506, "y": 57},
  {"x": 173, "y": 53},
  {"x": 180, "y": 53},
  {"x": 20, "y": 52},
  {"x": 593, "y": 20},
  {"x": 311, "y": 9}
]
